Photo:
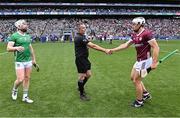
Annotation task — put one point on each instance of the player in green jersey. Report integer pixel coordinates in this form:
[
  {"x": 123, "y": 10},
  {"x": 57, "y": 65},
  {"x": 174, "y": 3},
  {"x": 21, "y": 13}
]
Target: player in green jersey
[{"x": 20, "y": 44}]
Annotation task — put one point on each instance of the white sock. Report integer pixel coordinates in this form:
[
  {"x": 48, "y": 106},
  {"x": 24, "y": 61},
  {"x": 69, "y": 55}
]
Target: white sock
[
  {"x": 14, "y": 89},
  {"x": 25, "y": 93}
]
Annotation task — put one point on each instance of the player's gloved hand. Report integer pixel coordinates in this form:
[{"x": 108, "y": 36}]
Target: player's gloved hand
[
  {"x": 33, "y": 61},
  {"x": 36, "y": 66}
]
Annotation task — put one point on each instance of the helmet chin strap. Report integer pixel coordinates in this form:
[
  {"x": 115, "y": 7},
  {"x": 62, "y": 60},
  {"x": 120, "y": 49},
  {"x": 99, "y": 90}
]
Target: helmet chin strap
[{"x": 137, "y": 29}]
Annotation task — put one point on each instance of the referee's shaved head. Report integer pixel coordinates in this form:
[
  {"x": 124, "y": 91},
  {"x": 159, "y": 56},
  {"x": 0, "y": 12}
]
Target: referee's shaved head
[{"x": 82, "y": 28}]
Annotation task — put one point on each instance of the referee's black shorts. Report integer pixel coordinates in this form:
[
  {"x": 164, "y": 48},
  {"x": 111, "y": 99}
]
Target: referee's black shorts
[{"x": 82, "y": 64}]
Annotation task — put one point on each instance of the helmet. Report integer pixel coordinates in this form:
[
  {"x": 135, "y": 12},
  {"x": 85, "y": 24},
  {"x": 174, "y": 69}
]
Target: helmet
[
  {"x": 139, "y": 20},
  {"x": 19, "y": 23}
]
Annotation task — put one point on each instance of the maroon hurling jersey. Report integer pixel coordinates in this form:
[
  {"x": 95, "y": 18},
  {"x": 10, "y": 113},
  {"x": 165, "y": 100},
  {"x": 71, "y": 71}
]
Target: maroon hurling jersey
[{"x": 141, "y": 44}]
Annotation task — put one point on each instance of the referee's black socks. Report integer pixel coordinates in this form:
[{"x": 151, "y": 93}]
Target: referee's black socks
[
  {"x": 85, "y": 80},
  {"x": 81, "y": 86}
]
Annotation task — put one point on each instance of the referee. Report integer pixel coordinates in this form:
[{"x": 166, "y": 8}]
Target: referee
[{"x": 82, "y": 63}]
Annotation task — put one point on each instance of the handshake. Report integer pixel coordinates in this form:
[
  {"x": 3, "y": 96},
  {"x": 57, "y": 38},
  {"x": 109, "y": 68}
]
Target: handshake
[{"x": 109, "y": 51}]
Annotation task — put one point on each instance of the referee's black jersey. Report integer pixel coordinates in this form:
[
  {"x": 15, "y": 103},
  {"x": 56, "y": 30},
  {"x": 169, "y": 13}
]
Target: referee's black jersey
[{"x": 81, "y": 49}]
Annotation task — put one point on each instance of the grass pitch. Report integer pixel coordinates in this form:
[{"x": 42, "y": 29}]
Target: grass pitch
[{"x": 54, "y": 88}]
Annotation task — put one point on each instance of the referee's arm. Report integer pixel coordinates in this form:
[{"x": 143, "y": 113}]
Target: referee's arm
[{"x": 96, "y": 47}]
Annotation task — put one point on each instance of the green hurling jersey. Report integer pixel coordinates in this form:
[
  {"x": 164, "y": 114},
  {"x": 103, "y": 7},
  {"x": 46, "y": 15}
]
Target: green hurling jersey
[{"x": 24, "y": 41}]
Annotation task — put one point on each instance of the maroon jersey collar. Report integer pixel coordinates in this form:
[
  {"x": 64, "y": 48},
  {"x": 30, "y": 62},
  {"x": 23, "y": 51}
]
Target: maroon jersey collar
[{"x": 141, "y": 32}]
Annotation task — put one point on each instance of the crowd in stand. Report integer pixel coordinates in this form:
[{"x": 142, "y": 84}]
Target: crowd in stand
[
  {"x": 106, "y": 10},
  {"x": 103, "y": 27}
]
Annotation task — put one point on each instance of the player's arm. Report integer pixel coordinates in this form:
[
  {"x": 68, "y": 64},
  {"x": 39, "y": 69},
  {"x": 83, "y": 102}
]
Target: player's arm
[
  {"x": 96, "y": 47},
  {"x": 11, "y": 48},
  {"x": 32, "y": 54},
  {"x": 122, "y": 46},
  {"x": 153, "y": 43}
]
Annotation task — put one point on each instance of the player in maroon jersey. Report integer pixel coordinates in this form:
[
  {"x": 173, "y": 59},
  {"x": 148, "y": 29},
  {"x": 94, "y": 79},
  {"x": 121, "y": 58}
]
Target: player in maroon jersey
[{"x": 143, "y": 40}]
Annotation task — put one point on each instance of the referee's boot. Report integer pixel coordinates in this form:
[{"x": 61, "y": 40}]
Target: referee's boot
[{"x": 84, "y": 97}]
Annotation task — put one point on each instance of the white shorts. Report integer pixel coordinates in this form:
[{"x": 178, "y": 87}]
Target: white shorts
[
  {"x": 22, "y": 65},
  {"x": 143, "y": 64}
]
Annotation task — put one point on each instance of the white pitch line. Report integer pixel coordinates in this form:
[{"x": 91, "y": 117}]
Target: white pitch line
[
  {"x": 3, "y": 53},
  {"x": 174, "y": 53}
]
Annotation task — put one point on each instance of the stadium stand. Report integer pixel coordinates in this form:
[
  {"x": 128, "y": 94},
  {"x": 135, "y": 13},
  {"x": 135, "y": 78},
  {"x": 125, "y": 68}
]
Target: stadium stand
[{"x": 103, "y": 19}]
